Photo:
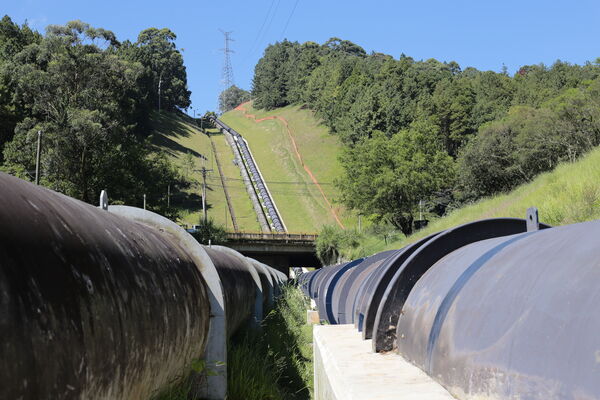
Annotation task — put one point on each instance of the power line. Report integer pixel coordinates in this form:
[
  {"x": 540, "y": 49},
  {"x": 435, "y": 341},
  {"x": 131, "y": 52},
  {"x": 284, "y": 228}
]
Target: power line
[
  {"x": 260, "y": 30},
  {"x": 269, "y": 24},
  {"x": 304, "y": 192},
  {"x": 296, "y": 193},
  {"x": 279, "y": 182},
  {"x": 288, "y": 20},
  {"x": 227, "y": 73}
]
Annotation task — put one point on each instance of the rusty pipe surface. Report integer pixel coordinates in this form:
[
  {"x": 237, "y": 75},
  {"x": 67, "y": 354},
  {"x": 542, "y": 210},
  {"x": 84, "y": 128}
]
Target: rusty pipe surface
[{"x": 91, "y": 305}]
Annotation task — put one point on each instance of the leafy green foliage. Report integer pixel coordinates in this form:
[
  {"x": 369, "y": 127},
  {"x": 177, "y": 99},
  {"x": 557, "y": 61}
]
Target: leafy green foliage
[
  {"x": 208, "y": 232},
  {"x": 166, "y": 84},
  {"x": 232, "y": 97},
  {"x": 271, "y": 75},
  {"x": 77, "y": 86},
  {"x": 275, "y": 363},
  {"x": 386, "y": 177},
  {"x": 333, "y": 241},
  {"x": 500, "y": 130},
  {"x": 13, "y": 39},
  {"x": 529, "y": 141}
]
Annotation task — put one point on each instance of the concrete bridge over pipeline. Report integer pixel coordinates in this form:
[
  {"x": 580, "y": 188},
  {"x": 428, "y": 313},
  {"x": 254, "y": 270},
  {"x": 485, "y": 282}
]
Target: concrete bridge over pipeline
[{"x": 279, "y": 250}]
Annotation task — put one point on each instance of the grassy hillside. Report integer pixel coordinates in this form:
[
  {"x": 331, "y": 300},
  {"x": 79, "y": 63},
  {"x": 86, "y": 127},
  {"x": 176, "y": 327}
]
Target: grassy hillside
[
  {"x": 569, "y": 194},
  {"x": 244, "y": 212},
  {"x": 190, "y": 149},
  {"x": 301, "y": 203}
]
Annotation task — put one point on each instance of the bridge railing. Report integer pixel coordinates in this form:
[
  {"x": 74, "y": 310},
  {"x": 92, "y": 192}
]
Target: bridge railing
[{"x": 279, "y": 237}]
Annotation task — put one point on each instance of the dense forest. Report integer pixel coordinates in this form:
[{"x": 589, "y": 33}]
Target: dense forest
[
  {"x": 91, "y": 97},
  {"x": 431, "y": 131}
]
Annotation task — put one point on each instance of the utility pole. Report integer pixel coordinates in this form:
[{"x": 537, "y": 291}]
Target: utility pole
[
  {"x": 37, "y": 158},
  {"x": 227, "y": 68},
  {"x": 204, "y": 172}
]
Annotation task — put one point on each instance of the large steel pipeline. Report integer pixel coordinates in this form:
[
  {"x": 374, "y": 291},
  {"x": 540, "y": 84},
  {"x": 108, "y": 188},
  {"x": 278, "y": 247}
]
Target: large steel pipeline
[
  {"x": 94, "y": 305},
  {"x": 239, "y": 287},
  {"x": 511, "y": 317},
  {"x": 260, "y": 185},
  {"x": 500, "y": 309},
  {"x": 372, "y": 291}
]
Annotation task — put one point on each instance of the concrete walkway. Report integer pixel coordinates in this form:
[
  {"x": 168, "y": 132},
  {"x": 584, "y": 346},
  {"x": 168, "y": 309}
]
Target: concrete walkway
[{"x": 346, "y": 369}]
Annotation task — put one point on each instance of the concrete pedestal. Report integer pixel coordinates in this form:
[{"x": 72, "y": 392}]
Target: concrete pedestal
[
  {"x": 346, "y": 369},
  {"x": 312, "y": 317}
]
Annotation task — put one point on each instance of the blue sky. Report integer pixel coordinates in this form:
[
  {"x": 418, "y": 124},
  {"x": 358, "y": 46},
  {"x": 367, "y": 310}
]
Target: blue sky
[{"x": 482, "y": 34}]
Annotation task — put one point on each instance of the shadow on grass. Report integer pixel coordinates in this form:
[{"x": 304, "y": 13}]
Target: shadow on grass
[
  {"x": 169, "y": 126},
  {"x": 171, "y": 147},
  {"x": 172, "y": 124},
  {"x": 187, "y": 201},
  {"x": 190, "y": 201}
]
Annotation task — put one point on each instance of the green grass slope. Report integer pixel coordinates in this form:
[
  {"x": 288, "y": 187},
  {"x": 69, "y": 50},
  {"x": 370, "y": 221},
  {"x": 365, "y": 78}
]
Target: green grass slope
[
  {"x": 569, "y": 194},
  {"x": 244, "y": 212},
  {"x": 179, "y": 137},
  {"x": 298, "y": 199}
]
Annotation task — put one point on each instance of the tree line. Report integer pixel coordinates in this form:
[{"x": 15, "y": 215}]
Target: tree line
[
  {"x": 428, "y": 130},
  {"x": 91, "y": 96}
]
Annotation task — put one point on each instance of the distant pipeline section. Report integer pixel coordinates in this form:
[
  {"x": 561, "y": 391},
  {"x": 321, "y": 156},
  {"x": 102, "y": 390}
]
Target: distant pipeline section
[
  {"x": 499, "y": 308},
  {"x": 257, "y": 179},
  {"x": 115, "y": 303}
]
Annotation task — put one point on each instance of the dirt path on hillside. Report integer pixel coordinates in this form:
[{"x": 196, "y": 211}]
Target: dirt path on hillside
[{"x": 243, "y": 109}]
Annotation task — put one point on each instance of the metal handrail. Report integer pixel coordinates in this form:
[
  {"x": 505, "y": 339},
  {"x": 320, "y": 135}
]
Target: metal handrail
[{"x": 272, "y": 236}]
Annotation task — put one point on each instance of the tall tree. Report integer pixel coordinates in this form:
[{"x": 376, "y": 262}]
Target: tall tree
[
  {"x": 386, "y": 177},
  {"x": 232, "y": 97},
  {"x": 83, "y": 98},
  {"x": 271, "y": 76},
  {"x": 453, "y": 101},
  {"x": 156, "y": 50},
  {"x": 13, "y": 39}
]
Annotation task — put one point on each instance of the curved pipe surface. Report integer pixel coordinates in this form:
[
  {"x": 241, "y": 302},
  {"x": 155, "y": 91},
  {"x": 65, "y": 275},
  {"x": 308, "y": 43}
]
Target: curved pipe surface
[
  {"x": 266, "y": 282},
  {"x": 398, "y": 289},
  {"x": 345, "y": 293},
  {"x": 93, "y": 305},
  {"x": 511, "y": 317},
  {"x": 329, "y": 284},
  {"x": 239, "y": 287},
  {"x": 376, "y": 286}
]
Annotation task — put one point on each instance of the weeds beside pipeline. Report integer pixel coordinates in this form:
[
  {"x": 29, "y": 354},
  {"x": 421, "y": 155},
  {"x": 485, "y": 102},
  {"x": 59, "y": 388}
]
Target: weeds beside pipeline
[{"x": 273, "y": 363}]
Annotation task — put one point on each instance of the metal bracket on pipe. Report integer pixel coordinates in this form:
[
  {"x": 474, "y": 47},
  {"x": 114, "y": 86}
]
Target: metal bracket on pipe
[
  {"x": 533, "y": 222},
  {"x": 104, "y": 200}
]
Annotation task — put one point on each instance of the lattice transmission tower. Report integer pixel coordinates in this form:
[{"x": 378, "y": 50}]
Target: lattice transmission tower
[{"x": 227, "y": 68}]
